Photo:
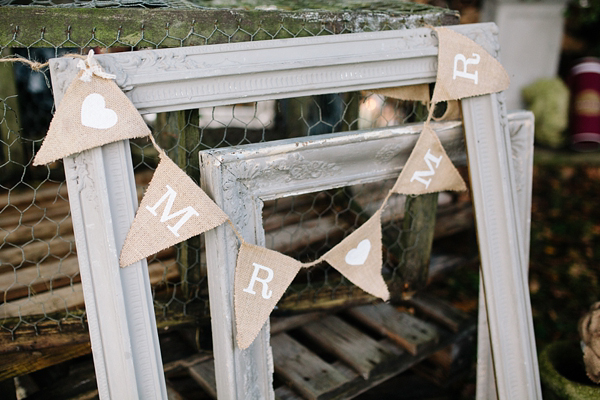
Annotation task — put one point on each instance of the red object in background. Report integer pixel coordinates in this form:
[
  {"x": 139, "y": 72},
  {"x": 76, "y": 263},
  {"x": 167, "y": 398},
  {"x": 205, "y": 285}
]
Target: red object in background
[{"x": 584, "y": 83}]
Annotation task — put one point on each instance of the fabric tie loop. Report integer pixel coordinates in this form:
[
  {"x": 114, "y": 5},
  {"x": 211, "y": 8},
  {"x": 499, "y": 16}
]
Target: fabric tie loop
[{"x": 91, "y": 67}]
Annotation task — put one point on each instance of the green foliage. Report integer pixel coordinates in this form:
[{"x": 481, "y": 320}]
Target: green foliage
[{"x": 549, "y": 101}]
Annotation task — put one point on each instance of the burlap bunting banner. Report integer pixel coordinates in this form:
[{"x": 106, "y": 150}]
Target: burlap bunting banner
[
  {"x": 465, "y": 69},
  {"x": 93, "y": 112},
  {"x": 428, "y": 168},
  {"x": 359, "y": 258},
  {"x": 173, "y": 209},
  {"x": 261, "y": 278}
]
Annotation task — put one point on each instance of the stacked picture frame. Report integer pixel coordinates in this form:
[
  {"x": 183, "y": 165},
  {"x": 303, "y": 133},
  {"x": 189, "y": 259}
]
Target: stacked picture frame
[{"x": 103, "y": 198}]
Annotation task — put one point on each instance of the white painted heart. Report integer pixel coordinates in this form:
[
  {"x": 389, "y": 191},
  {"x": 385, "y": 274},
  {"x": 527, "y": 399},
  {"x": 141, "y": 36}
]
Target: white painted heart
[
  {"x": 359, "y": 255},
  {"x": 94, "y": 113}
]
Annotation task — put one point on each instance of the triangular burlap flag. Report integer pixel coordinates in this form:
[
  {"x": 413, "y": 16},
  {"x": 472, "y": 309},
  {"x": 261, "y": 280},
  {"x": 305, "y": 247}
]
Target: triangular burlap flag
[
  {"x": 91, "y": 114},
  {"x": 465, "y": 69},
  {"x": 428, "y": 169},
  {"x": 410, "y": 93},
  {"x": 261, "y": 278},
  {"x": 359, "y": 258},
  {"x": 173, "y": 209}
]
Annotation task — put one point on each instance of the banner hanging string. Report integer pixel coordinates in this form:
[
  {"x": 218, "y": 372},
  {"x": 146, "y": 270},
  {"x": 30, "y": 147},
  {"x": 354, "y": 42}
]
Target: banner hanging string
[{"x": 36, "y": 65}]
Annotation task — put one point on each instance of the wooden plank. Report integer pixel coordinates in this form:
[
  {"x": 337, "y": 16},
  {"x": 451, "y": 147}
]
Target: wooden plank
[
  {"x": 304, "y": 371},
  {"x": 290, "y": 238},
  {"x": 282, "y": 324},
  {"x": 20, "y": 363},
  {"x": 285, "y": 393},
  {"x": 72, "y": 381},
  {"x": 13, "y": 154},
  {"x": 186, "y": 362},
  {"x": 349, "y": 344},
  {"x": 63, "y": 299},
  {"x": 43, "y": 335},
  {"x": 439, "y": 310},
  {"x": 324, "y": 298},
  {"x": 76, "y": 27},
  {"x": 35, "y": 251},
  {"x": 418, "y": 228},
  {"x": 183, "y": 124},
  {"x": 45, "y": 229},
  {"x": 49, "y": 191},
  {"x": 204, "y": 374},
  {"x": 37, "y": 279},
  {"x": 71, "y": 297},
  {"x": 408, "y": 331},
  {"x": 14, "y": 216}
]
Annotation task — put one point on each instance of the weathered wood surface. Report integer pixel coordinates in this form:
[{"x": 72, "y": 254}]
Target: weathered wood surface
[
  {"x": 285, "y": 393},
  {"x": 357, "y": 349},
  {"x": 25, "y": 362},
  {"x": 183, "y": 125},
  {"x": 409, "y": 332},
  {"x": 442, "y": 312},
  {"x": 418, "y": 230},
  {"x": 335, "y": 337},
  {"x": 70, "y": 27},
  {"x": 199, "y": 367},
  {"x": 12, "y": 152},
  {"x": 204, "y": 374},
  {"x": 70, "y": 296},
  {"x": 282, "y": 324},
  {"x": 305, "y": 371}
]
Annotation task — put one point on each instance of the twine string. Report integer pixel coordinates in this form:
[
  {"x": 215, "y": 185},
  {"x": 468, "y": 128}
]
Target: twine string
[
  {"x": 34, "y": 65},
  {"x": 90, "y": 67}
]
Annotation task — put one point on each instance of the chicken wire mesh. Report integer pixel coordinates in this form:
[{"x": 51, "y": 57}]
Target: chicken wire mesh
[{"x": 39, "y": 278}]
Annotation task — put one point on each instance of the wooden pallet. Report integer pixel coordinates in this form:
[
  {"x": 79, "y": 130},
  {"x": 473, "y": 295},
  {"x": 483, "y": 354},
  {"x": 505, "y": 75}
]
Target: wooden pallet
[
  {"x": 339, "y": 356},
  {"x": 320, "y": 356}
]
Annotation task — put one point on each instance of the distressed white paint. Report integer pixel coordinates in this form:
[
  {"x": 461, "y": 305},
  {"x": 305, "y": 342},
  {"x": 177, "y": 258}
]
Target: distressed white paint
[
  {"x": 246, "y": 172},
  {"x": 501, "y": 248},
  {"x": 174, "y": 79},
  {"x": 119, "y": 307},
  {"x": 521, "y": 127}
]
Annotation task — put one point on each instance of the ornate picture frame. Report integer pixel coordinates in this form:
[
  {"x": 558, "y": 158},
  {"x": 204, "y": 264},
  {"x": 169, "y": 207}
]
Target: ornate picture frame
[{"x": 103, "y": 198}]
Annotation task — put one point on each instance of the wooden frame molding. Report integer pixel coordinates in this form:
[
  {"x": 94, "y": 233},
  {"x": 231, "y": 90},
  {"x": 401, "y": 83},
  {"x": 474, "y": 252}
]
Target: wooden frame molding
[{"x": 102, "y": 196}]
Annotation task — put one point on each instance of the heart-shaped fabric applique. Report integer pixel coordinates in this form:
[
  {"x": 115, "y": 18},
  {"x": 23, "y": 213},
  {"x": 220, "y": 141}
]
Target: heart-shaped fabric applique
[
  {"x": 94, "y": 113},
  {"x": 359, "y": 255}
]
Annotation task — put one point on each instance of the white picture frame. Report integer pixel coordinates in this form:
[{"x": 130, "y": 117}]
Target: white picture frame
[{"x": 103, "y": 200}]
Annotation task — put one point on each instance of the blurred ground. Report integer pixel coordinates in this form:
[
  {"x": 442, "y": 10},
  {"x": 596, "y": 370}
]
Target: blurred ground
[{"x": 565, "y": 248}]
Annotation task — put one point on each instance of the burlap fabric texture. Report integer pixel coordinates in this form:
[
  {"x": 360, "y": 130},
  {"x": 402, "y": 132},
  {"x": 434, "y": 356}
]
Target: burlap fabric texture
[
  {"x": 465, "y": 69},
  {"x": 428, "y": 168},
  {"x": 173, "y": 209},
  {"x": 359, "y": 258},
  {"x": 409, "y": 93},
  {"x": 91, "y": 114},
  {"x": 261, "y": 278}
]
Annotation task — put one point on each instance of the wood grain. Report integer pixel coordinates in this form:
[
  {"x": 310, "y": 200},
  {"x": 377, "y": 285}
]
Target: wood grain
[
  {"x": 349, "y": 344},
  {"x": 409, "y": 332},
  {"x": 304, "y": 371}
]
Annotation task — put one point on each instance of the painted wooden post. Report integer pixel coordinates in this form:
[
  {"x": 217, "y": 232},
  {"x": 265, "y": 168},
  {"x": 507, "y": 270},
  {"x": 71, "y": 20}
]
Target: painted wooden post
[{"x": 119, "y": 307}]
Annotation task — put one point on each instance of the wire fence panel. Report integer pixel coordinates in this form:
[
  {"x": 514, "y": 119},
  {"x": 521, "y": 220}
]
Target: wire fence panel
[{"x": 39, "y": 275}]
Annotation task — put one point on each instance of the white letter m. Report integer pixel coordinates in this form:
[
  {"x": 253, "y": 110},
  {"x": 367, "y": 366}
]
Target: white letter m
[
  {"x": 187, "y": 212},
  {"x": 418, "y": 175}
]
